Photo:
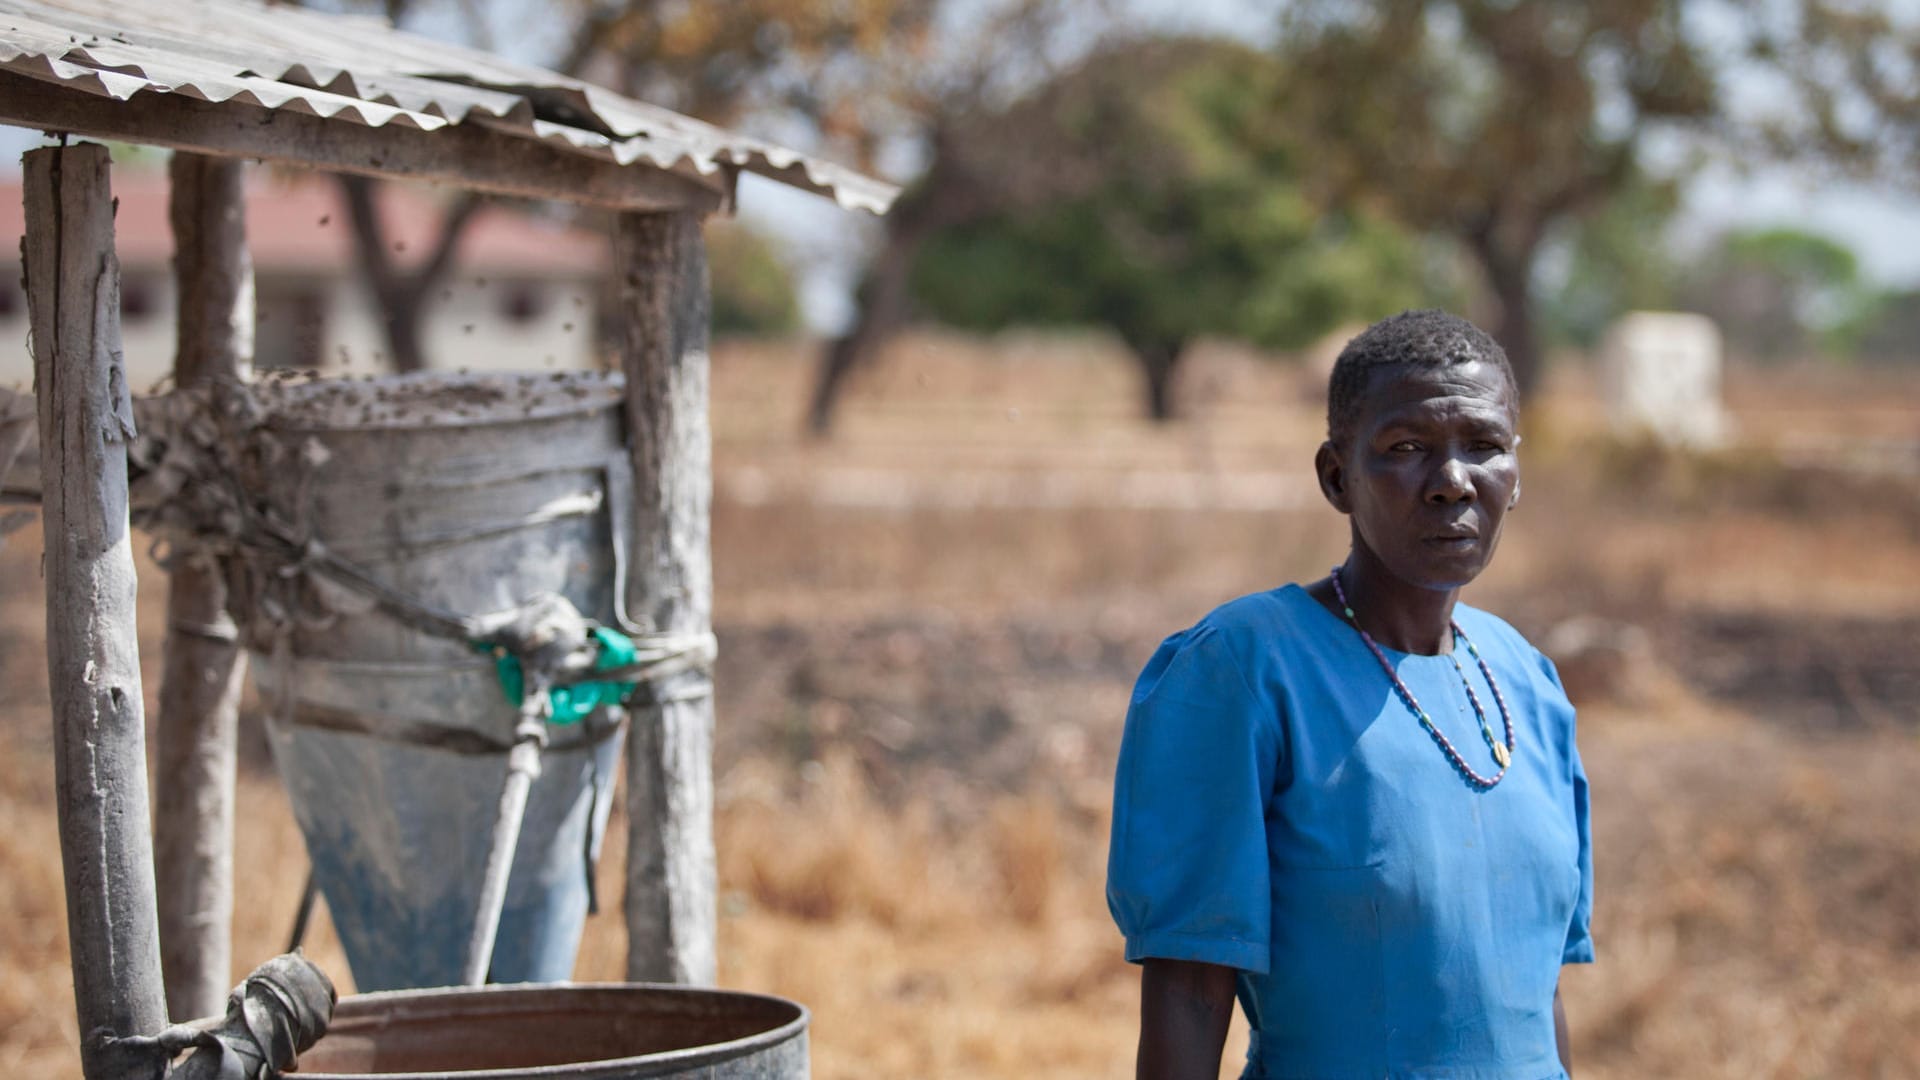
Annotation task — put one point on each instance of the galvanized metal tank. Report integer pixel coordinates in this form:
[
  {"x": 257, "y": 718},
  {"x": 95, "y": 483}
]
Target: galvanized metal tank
[
  {"x": 575, "y": 1032},
  {"x": 473, "y": 494}
]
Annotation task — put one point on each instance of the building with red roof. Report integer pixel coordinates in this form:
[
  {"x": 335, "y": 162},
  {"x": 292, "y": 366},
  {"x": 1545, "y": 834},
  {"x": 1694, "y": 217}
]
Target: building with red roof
[{"x": 523, "y": 293}]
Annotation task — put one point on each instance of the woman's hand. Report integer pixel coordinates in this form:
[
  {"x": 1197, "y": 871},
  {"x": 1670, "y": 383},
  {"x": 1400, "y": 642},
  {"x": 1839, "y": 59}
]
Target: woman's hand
[{"x": 1184, "y": 1010}]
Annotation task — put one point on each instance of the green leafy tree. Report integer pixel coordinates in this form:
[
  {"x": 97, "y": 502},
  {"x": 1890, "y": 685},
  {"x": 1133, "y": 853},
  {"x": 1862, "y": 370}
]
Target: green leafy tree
[
  {"x": 1615, "y": 260},
  {"x": 1782, "y": 294},
  {"x": 1490, "y": 121},
  {"x": 753, "y": 292},
  {"x": 1170, "y": 213},
  {"x": 1891, "y": 333},
  {"x": 946, "y": 93}
]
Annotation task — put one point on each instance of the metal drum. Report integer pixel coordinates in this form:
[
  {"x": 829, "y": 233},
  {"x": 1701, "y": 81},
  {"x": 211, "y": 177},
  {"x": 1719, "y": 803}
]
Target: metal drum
[
  {"x": 598, "y": 1032},
  {"x": 473, "y": 494}
]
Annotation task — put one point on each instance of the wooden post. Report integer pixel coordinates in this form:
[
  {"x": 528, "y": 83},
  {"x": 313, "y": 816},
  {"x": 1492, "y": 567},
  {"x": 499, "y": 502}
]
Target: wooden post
[
  {"x": 93, "y": 661},
  {"x": 204, "y": 666},
  {"x": 661, "y": 263}
]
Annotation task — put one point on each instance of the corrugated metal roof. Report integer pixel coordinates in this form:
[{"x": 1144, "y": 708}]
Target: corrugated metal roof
[{"x": 359, "y": 69}]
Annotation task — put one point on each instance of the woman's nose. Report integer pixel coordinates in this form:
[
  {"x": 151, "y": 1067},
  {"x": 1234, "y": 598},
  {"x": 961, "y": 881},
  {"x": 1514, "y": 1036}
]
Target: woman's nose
[{"x": 1450, "y": 483}]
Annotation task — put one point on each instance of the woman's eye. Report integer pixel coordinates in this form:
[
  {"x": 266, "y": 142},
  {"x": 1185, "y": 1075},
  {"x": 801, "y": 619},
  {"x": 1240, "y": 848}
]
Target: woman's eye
[
  {"x": 1486, "y": 447},
  {"x": 1405, "y": 446}
]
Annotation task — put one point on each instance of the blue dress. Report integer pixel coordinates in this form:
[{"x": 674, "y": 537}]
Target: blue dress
[{"x": 1279, "y": 810}]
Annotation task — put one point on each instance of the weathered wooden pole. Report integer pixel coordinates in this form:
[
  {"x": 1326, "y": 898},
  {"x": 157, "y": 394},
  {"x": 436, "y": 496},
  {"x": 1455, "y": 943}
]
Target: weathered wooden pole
[
  {"x": 93, "y": 661},
  {"x": 660, "y": 260},
  {"x": 204, "y": 666}
]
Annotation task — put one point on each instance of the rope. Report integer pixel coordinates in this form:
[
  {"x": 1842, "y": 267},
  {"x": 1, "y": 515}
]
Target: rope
[{"x": 272, "y": 1017}]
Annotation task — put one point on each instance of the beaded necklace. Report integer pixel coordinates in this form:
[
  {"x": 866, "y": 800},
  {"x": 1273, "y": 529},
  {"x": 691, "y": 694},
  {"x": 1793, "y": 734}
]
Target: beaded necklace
[{"x": 1502, "y": 755}]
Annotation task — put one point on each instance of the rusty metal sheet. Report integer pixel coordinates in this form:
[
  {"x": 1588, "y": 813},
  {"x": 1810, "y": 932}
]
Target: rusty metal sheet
[{"x": 360, "y": 70}]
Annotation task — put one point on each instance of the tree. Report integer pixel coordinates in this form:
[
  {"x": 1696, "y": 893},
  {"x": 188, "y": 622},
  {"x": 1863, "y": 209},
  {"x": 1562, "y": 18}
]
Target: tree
[
  {"x": 1612, "y": 261},
  {"x": 805, "y": 62},
  {"x": 1491, "y": 121},
  {"x": 752, "y": 290},
  {"x": 1854, "y": 72},
  {"x": 402, "y": 290},
  {"x": 946, "y": 96},
  {"x": 1174, "y": 216},
  {"x": 1783, "y": 294},
  {"x": 1891, "y": 334}
]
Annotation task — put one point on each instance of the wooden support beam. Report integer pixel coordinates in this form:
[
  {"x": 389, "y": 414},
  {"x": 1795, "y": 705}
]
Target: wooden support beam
[
  {"x": 469, "y": 155},
  {"x": 661, "y": 265},
  {"x": 93, "y": 655},
  {"x": 204, "y": 665}
]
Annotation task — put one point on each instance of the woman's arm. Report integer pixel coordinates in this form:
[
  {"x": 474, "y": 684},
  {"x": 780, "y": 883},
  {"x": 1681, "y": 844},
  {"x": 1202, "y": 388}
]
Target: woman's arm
[
  {"x": 1184, "y": 1010},
  {"x": 1560, "y": 1039}
]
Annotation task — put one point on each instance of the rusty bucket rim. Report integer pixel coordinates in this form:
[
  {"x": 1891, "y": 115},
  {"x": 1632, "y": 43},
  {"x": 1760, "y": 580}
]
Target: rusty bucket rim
[{"x": 667, "y": 1060}]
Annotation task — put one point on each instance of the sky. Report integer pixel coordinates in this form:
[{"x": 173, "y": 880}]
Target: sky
[{"x": 825, "y": 244}]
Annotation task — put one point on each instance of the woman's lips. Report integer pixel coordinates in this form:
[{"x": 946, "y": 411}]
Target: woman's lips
[{"x": 1453, "y": 543}]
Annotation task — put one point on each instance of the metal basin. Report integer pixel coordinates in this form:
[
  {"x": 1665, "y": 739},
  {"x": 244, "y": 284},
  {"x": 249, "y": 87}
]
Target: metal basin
[{"x": 579, "y": 1032}]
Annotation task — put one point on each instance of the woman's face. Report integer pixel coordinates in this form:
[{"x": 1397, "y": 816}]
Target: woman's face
[{"x": 1429, "y": 470}]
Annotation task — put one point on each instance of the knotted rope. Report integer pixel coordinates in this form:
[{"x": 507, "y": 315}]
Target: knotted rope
[{"x": 273, "y": 1016}]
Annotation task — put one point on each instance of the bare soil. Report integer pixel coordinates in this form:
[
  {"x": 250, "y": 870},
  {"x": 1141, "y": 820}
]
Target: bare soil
[{"x": 930, "y": 624}]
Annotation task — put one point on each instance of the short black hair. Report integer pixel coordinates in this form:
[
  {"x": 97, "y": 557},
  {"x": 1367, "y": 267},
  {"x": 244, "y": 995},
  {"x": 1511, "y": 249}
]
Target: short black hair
[{"x": 1429, "y": 338}]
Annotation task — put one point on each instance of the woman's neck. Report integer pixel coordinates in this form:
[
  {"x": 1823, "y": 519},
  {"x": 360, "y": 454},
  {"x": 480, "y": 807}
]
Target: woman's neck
[{"x": 1395, "y": 614}]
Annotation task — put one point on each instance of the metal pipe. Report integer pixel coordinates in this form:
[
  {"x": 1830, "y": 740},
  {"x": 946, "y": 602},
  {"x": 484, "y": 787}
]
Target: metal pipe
[
  {"x": 523, "y": 767},
  {"x": 303, "y": 913}
]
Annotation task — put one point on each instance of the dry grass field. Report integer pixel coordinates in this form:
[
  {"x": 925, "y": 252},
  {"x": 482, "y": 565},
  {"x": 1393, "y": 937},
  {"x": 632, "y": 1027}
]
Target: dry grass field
[{"x": 929, "y": 626}]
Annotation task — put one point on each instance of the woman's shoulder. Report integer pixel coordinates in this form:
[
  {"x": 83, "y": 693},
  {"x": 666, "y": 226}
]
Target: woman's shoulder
[
  {"x": 1227, "y": 659},
  {"x": 1265, "y": 619},
  {"x": 1250, "y": 630}
]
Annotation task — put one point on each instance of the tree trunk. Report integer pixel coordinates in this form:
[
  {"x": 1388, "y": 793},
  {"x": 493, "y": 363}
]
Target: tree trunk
[
  {"x": 402, "y": 296},
  {"x": 203, "y": 666},
  {"x": 1511, "y": 276},
  {"x": 884, "y": 299},
  {"x": 93, "y": 644},
  {"x": 401, "y": 313},
  {"x": 946, "y": 196},
  {"x": 842, "y": 355},
  {"x": 1158, "y": 362},
  {"x": 660, "y": 268}
]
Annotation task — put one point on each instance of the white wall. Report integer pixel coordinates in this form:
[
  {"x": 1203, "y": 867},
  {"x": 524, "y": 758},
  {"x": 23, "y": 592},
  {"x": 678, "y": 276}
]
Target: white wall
[
  {"x": 146, "y": 339},
  {"x": 483, "y": 324}
]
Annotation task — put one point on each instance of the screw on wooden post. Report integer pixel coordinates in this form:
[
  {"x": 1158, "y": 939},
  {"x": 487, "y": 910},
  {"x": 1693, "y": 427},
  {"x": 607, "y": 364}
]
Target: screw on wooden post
[
  {"x": 660, "y": 264},
  {"x": 203, "y": 666},
  {"x": 93, "y": 661}
]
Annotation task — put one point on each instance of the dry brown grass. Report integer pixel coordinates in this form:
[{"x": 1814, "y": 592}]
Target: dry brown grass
[{"x": 920, "y": 703}]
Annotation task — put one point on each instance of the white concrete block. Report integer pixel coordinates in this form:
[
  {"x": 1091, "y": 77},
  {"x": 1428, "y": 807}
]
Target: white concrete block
[{"x": 1661, "y": 373}]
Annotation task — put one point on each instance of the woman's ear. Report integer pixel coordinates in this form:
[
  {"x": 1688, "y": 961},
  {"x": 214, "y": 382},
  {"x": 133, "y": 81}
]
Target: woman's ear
[{"x": 1333, "y": 476}]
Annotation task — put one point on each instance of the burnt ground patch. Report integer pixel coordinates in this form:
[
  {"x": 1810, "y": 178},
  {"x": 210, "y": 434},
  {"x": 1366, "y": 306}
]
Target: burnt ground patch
[{"x": 1814, "y": 673}]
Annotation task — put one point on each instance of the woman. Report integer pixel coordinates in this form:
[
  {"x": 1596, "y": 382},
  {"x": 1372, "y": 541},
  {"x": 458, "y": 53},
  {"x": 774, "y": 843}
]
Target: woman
[{"x": 1356, "y": 805}]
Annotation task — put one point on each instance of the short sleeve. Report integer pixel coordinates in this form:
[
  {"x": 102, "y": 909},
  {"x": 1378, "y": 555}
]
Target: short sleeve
[
  {"x": 1187, "y": 870},
  {"x": 1579, "y": 947}
]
